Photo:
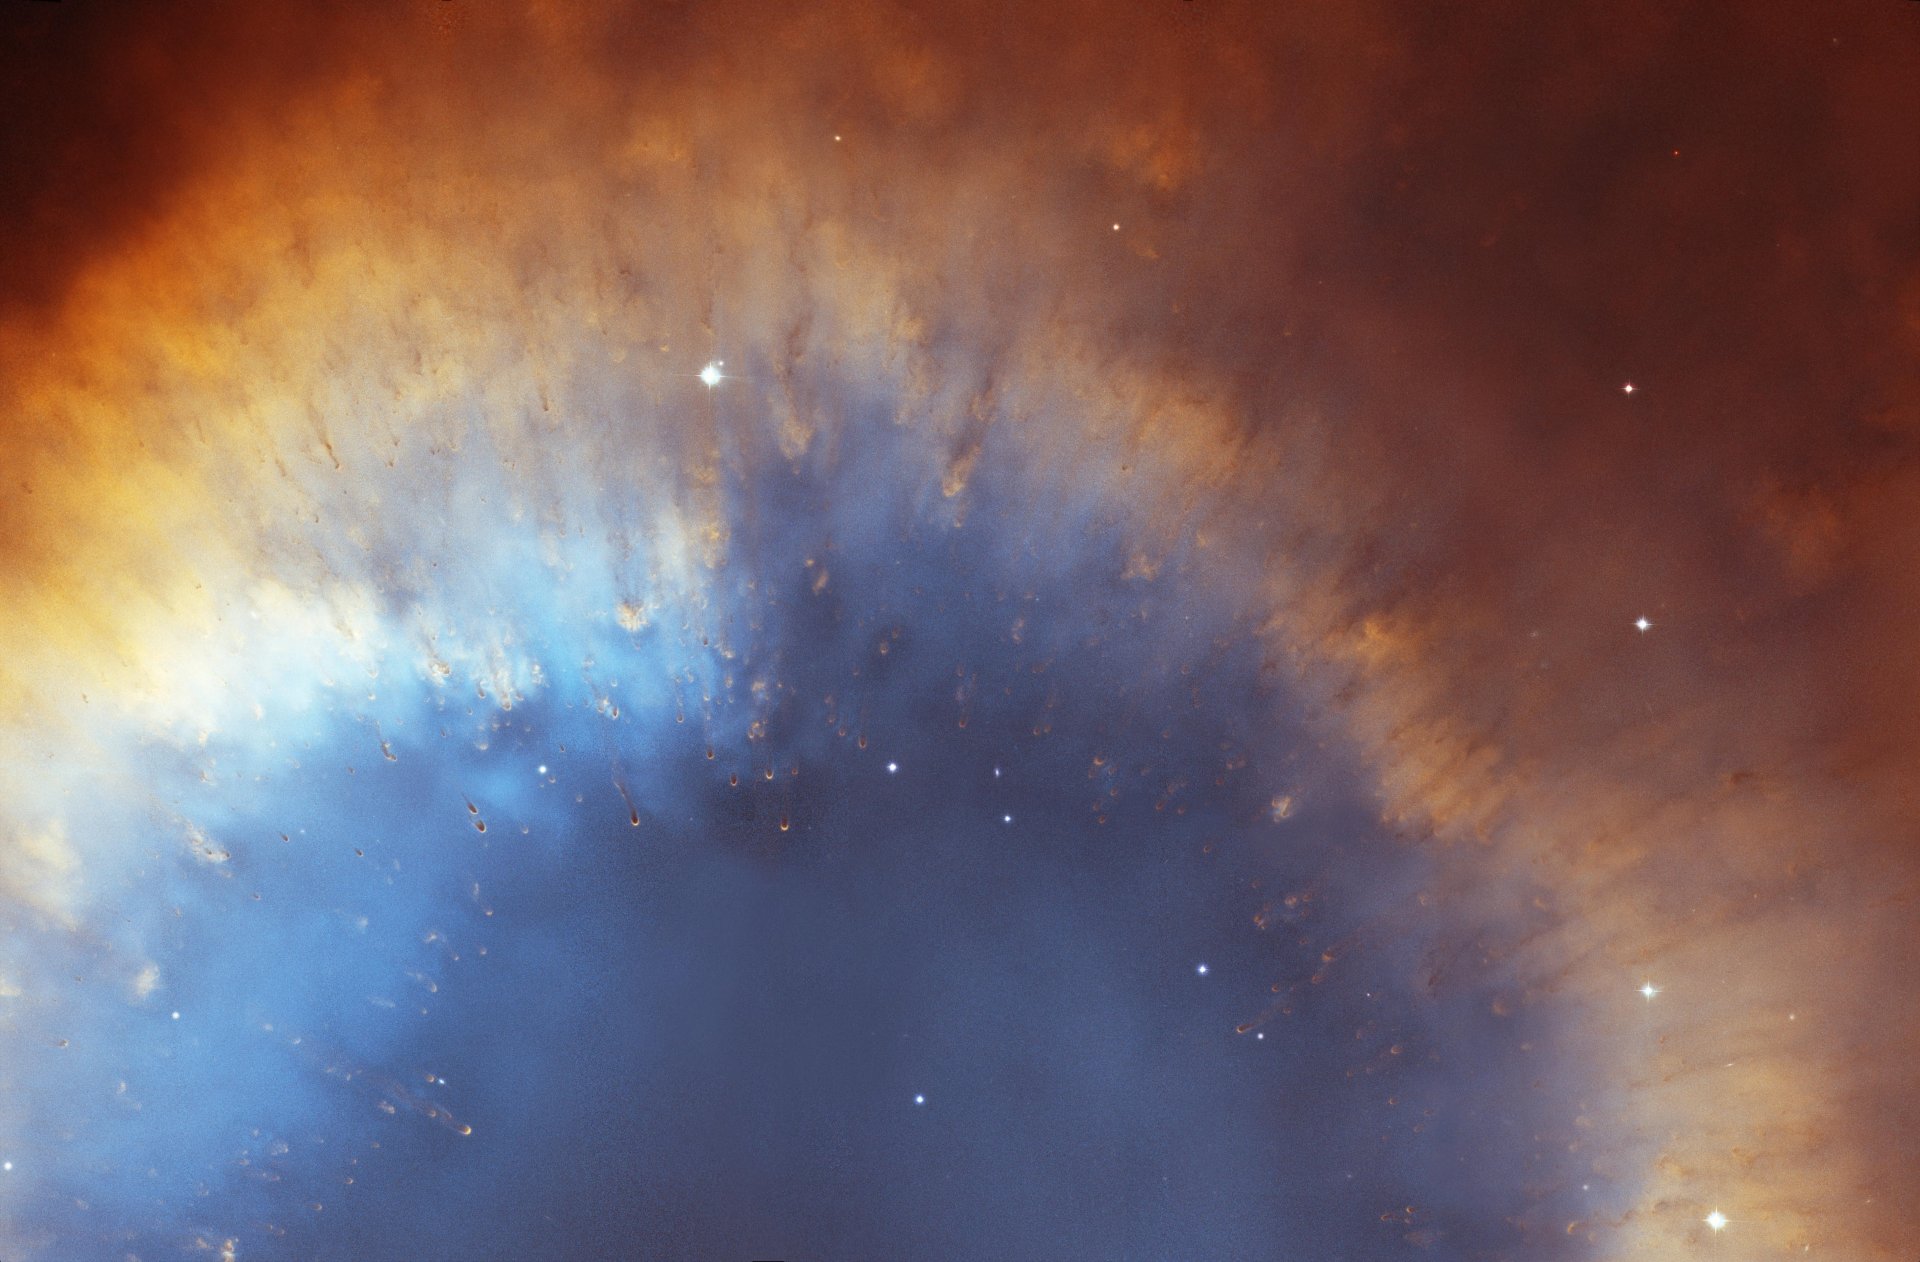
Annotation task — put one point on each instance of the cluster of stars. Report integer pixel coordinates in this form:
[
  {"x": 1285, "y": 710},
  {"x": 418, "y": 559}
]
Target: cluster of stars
[
  {"x": 1716, "y": 1221},
  {"x": 711, "y": 375}
]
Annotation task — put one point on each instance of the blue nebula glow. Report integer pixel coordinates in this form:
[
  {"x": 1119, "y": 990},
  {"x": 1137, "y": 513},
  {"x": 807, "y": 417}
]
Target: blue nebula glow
[{"x": 669, "y": 987}]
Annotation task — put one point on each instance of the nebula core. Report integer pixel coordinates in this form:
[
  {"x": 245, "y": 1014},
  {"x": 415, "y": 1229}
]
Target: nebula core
[{"x": 1187, "y": 630}]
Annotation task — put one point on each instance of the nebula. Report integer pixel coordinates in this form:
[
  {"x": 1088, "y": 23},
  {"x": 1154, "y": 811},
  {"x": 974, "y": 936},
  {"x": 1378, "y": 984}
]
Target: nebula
[{"x": 897, "y": 631}]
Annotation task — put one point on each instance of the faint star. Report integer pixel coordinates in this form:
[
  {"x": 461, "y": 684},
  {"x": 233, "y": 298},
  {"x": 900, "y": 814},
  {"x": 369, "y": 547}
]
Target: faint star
[
  {"x": 1716, "y": 1220},
  {"x": 1642, "y": 625},
  {"x": 711, "y": 374}
]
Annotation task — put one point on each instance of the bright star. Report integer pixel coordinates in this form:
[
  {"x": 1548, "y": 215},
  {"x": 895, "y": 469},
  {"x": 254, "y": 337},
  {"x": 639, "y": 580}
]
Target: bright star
[
  {"x": 711, "y": 374},
  {"x": 1642, "y": 625},
  {"x": 1627, "y": 389},
  {"x": 919, "y": 1099},
  {"x": 1649, "y": 990},
  {"x": 1200, "y": 969},
  {"x": 176, "y": 1016},
  {"x": 543, "y": 769},
  {"x": 6, "y": 1165},
  {"x": 1006, "y": 819},
  {"x": 892, "y": 767},
  {"x": 1716, "y": 1220}
]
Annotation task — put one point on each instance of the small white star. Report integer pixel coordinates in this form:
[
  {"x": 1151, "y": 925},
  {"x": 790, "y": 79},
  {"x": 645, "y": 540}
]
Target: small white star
[
  {"x": 919, "y": 1099},
  {"x": 1200, "y": 969},
  {"x": 6, "y": 1165},
  {"x": 543, "y": 769},
  {"x": 1627, "y": 389},
  {"x": 1116, "y": 227},
  {"x": 996, "y": 773},
  {"x": 892, "y": 767},
  {"x": 176, "y": 1016},
  {"x": 711, "y": 374},
  {"x": 1006, "y": 819},
  {"x": 1642, "y": 624},
  {"x": 1649, "y": 990},
  {"x": 1260, "y": 1034},
  {"x": 1716, "y": 1220}
]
